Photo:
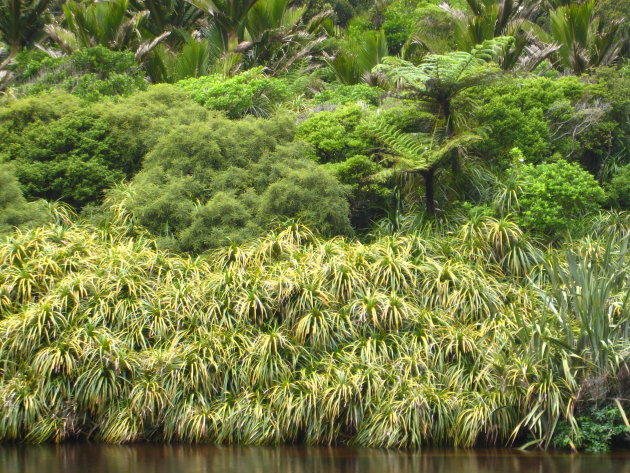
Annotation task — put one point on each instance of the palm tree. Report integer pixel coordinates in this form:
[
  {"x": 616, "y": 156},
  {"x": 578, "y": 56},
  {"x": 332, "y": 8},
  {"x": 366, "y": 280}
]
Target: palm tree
[
  {"x": 229, "y": 16},
  {"x": 357, "y": 56},
  {"x": 22, "y": 22},
  {"x": 489, "y": 19},
  {"x": 436, "y": 82},
  {"x": 108, "y": 23},
  {"x": 277, "y": 37},
  {"x": 176, "y": 16},
  {"x": 584, "y": 40}
]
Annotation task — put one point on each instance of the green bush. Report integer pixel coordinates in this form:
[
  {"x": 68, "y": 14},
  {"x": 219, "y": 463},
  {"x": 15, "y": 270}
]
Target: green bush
[
  {"x": 340, "y": 94},
  {"x": 335, "y": 134},
  {"x": 555, "y": 194},
  {"x": 369, "y": 193},
  {"x": 211, "y": 183},
  {"x": 91, "y": 73},
  {"x": 72, "y": 157},
  {"x": 15, "y": 211},
  {"x": 619, "y": 188},
  {"x": 398, "y": 23},
  {"x": 247, "y": 93},
  {"x": 598, "y": 428}
]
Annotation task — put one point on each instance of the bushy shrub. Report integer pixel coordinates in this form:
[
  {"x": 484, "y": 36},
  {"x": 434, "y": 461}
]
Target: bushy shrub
[
  {"x": 398, "y": 23},
  {"x": 369, "y": 191},
  {"x": 619, "y": 188},
  {"x": 247, "y": 93},
  {"x": 604, "y": 147},
  {"x": 15, "y": 211},
  {"x": 91, "y": 73},
  {"x": 207, "y": 184},
  {"x": 340, "y": 94},
  {"x": 555, "y": 194},
  {"x": 598, "y": 428},
  {"x": 73, "y": 157},
  {"x": 335, "y": 134}
]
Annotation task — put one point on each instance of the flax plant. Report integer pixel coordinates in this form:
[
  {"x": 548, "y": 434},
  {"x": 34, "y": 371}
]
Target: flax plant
[{"x": 405, "y": 340}]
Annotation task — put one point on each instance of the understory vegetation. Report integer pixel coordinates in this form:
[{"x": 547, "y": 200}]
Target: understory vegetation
[{"x": 389, "y": 224}]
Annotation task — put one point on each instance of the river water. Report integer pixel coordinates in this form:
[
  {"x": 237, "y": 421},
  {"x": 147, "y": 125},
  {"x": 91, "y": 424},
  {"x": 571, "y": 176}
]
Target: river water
[{"x": 82, "y": 458}]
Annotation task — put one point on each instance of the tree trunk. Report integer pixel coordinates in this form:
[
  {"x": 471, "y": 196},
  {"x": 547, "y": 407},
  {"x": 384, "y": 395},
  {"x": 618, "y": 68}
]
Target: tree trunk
[{"x": 429, "y": 190}]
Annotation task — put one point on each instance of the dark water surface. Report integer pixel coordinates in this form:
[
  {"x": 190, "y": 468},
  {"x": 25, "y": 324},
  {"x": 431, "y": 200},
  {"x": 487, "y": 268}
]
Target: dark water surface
[{"x": 205, "y": 459}]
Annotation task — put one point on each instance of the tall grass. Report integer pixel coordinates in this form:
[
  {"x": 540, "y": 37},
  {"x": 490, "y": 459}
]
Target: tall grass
[{"x": 412, "y": 339}]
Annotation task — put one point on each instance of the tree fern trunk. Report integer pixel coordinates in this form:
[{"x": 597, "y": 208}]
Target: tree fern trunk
[{"x": 429, "y": 190}]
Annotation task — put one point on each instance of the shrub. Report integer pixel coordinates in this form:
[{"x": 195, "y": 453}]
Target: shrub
[
  {"x": 518, "y": 113},
  {"x": 91, "y": 73},
  {"x": 597, "y": 430},
  {"x": 247, "y": 93},
  {"x": 340, "y": 94},
  {"x": 369, "y": 194},
  {"x": 208, "y": 184},
  {"x": 619, "y": 188},
  {"x": 555, "y": 194},
  {"x": 15, "y": 211},
  {"x": 66, "y": 151},
  {"x": 335, "y": 134},
  {"x": 398, "y": 23}
]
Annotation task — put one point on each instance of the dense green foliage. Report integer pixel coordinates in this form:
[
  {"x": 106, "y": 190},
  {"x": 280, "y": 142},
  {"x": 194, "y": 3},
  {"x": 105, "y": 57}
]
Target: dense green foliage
[
  {"x": 463, "y": 168},
  {"x": 599, "y": 428}
]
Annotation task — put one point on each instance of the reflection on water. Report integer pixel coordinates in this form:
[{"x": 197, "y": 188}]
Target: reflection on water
[{"x": 206, "y": 459}]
